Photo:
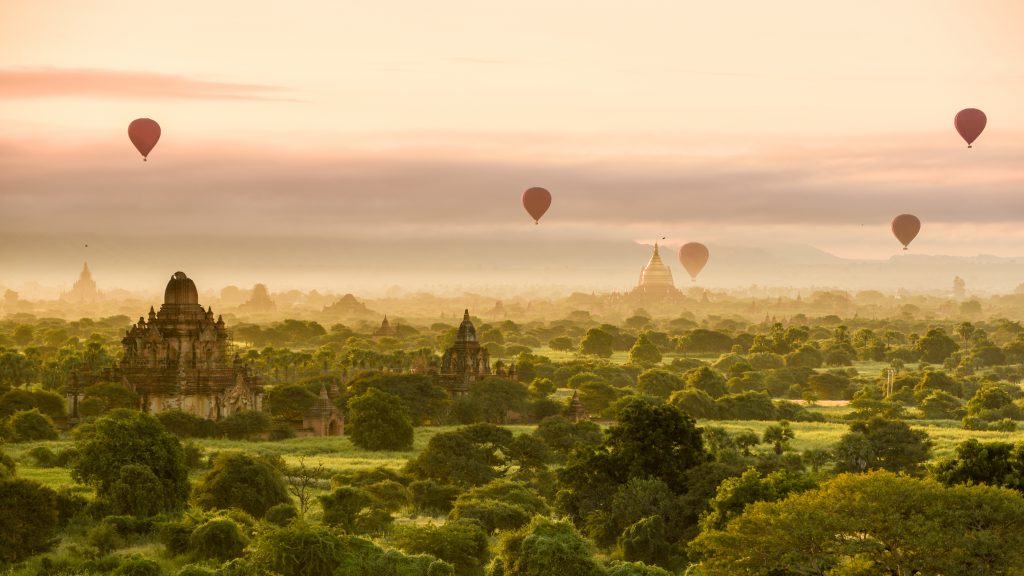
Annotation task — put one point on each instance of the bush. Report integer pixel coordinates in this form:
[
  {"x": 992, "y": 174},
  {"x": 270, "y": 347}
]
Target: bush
[
  {"x": 240, "y": 481},
  {"x": 43, "y": 456},
  {"x": 217, "y": 539},
  {"x": 636, "y": 569},
  {"x": 105, "y": 538},
  {"x": 187, "y": 425},
  {"x": 281, "y": 514},
  {"x": 126, "y": 437},
  {"x": 28, "y": 519},
  {"x": 430, "y": 497},
  {"x": 196, "y": 570},
  {"x": 379, "y": 421},
  {"x": 133, "y": 492},
  {"x": 300, "y": 549},
  {"x": 343, "y": 505},
  {"x": 31, "y": 425},
  {"x": 551, "y": 548},
  {"x": 461, "y": 543},
  {"x": 245, "y": 425},
  {"x": 499, "y": 505},
  {"x": 138, "y": 566},
  {"x": 392, "y": 495},
  {"x": 645, "y": 541}
]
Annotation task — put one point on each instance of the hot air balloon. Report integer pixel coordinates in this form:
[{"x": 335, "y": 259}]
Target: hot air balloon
[
  {"x": 144, "y": 134},
  {"x": 905, "y": 227},
  {"x": 969, "y": 123},
  {"x": 536, "y": 201},
  {"x": 693, "y": 256}
]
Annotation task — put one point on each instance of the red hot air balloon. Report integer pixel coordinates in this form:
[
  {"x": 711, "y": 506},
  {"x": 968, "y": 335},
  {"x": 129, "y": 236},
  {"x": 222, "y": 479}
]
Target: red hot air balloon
[
  {"x": 905, "y": 227},
  {"x": 144, "y": 134},
  {"x": 969, "y": 123},
  {"x": 536, "y": 201},
  {"x": 693, "y": 256}
]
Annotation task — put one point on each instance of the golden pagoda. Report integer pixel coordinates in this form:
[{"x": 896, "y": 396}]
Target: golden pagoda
[{"x": 656, "y": 277}]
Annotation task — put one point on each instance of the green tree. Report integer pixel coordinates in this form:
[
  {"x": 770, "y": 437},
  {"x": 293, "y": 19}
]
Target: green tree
[
  {"x": 240, "y": 481},
  {"x": 545, "y": 547},
  {"x": 290, "y": 401},
  {"x": 935, "y": 346},
  {"x": 958, "y": 531},
  {"x": 28, "y": 519},
  {"x": 882, "y": 444},
  {"x": 659, "y": 442},
  {"x": 597, "y": 343},
  {"x": 644, "y": 541},
  {"x": 735, "y": 494},
  {"x": 706, "y": 380},
  {"x": 126, "y": 437},
  {"x": 644, "y": 351},
  {"x": 31, "y": 425},
  {"x": 778, "y": 435},
  {"x": 132, "y": 493},
  {"x": 496, "y": 397},
  {"x": 106, "y": 396},
  {"x": 942, "y": 405},
  {"x": 379, "y": 421},
  {"x": 468, "y": 456},
  {"x": 245, "y": 425},
  {"x": 461, "y": 543},
  {"x": 992, "y": 463},
  {"x": 499, "y": 505},
  {"x": 659, "y": 382},
  {"x": 425, "y": 401}
]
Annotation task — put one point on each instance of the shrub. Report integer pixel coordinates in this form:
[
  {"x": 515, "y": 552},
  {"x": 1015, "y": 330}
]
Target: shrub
[
  {"x": 245, "y": 425},
  {"x": 240, "y": 481},
  {"x": 217, "y": 539},
  {"x": 636, "y": 569},
  {"x": 645, "y": 541},
  {"x": 28, "y": 519},
  {"x": 430, "y": 497},
  {"x": 31, "y": 425},
  {"x": 126, "y": 437},
  {"x": 281, "y": 514},
  {"x": 300, "y": 549},
  {"x": 105, "y": 538},
  {"x": 379, "y": 421},
  {"x": 342, "y": 505},
  {"x": 196, "y": 570},
  {"x": 499, "y": 505},
  {"x": 133, "y": 492},
  {"x": 187, "y": 425},
  {"x": 551, "y": 548},
  {"x": 392, "y": 495},
  {"x": 43, "y": 456},
  {"x": 135, "y": 565},
  {"x": 462, "y": 543}
]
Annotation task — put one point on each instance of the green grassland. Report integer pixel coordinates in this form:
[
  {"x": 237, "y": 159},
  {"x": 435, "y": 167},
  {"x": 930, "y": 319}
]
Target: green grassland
[{"x": 340, "y": 455}]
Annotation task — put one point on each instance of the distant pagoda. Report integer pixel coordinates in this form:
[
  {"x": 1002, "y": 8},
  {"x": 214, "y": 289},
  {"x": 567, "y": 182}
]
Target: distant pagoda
[
  {"x": 84, "y": 290},
  {"x": 656, "y": 278}
]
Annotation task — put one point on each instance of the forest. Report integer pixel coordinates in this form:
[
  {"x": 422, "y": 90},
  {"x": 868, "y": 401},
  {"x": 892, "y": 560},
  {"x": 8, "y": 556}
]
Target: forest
[{"x": 705, "y": 442}]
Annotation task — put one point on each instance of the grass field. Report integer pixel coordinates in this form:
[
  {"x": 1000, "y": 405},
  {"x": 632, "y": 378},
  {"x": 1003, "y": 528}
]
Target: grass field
[{"x": 339, "y": 454}]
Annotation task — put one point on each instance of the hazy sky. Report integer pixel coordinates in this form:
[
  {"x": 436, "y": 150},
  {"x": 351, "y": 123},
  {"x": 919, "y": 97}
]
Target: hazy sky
[{"x": 415, "y": 126}]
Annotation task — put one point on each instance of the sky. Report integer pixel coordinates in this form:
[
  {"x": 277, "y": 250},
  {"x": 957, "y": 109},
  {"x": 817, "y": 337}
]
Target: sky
[{"x": 337, "y": 144}]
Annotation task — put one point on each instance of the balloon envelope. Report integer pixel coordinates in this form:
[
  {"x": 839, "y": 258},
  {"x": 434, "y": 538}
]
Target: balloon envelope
[
  {"x": 693, "y": 256},
  {"x": 144, "y": 134},
  {"x": 905, "y": 227},
  {"x": 969, "y": 123},
  {"x": 536, "y": 201}
]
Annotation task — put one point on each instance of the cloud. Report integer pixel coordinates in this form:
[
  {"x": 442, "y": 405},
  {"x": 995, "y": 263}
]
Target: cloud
[{"x": 27, "y": 83}]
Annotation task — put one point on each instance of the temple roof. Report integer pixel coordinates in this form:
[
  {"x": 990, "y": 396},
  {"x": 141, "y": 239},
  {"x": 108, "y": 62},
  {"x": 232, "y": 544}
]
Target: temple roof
[
  {"x": 656, "y": 273},
  {"x": 467, "y": 332},
  {"x": 181, "y": 290}
]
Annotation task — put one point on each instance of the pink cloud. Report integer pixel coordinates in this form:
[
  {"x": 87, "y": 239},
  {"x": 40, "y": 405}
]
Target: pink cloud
[{"x": 24, "y": 83}]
